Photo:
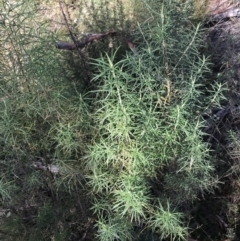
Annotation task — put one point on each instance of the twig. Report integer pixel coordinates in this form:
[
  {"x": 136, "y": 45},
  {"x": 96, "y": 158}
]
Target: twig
[
  {"x": 84, "y": 42},
  {"x": 94, "y": 36},
  {"x": 81, "y": 56}
]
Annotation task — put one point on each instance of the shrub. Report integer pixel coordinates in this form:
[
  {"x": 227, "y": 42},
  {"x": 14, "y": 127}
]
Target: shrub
[
  {"x": 148, "y": 156},
  {"x": 126, "y": 147}
]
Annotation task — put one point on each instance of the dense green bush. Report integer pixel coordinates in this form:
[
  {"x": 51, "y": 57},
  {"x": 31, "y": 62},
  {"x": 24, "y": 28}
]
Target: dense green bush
[
  {"x": 128, "y": 145},
  {"x": 148, "y": 157},
  {"x": 43, "y": 119}
]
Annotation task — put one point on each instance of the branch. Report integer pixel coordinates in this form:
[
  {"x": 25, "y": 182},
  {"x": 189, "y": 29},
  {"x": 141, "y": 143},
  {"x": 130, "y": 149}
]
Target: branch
[
  {"x": 80, "y": 54},
  {"x": 230, "y": 13},
  {"x": 49, "y": 167},
  {"x": 84, "y": 42},
  {"x": 91, "y": 38}
]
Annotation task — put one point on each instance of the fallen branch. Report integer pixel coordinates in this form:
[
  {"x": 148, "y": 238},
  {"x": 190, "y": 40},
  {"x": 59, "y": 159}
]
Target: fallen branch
[
  {"x": 80, "y": 54},
  {"x": 84, "y": 42},
  {"x": 49, "y": 167},
  {"x": 89, "y": 39},
  {"x": 57, "y": 169},
  {"x": 230, "y": 13}
]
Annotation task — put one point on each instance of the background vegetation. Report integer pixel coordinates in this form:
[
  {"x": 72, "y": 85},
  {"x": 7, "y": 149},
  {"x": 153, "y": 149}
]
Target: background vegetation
[{"x": 107, "y": 142}]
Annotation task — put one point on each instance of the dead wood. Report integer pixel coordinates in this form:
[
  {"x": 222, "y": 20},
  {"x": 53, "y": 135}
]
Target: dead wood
[
  {"x": 230, "y": 13},
  {"x": 90, "y": 38},
  {"x": 84, "y": 42}
]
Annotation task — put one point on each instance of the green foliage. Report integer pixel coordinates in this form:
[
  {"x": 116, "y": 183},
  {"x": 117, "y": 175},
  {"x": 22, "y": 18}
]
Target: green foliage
[
  {"x": 113, "y": 229},
  {"x": 6, "y": 190},
  {"x": 149, "y": 142},
  {"x": 42, "y": 116},
  {"x": 127, "y": 147},
  {"x": 45, "y": 216},
  {"x": 167, "y": 223}
]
